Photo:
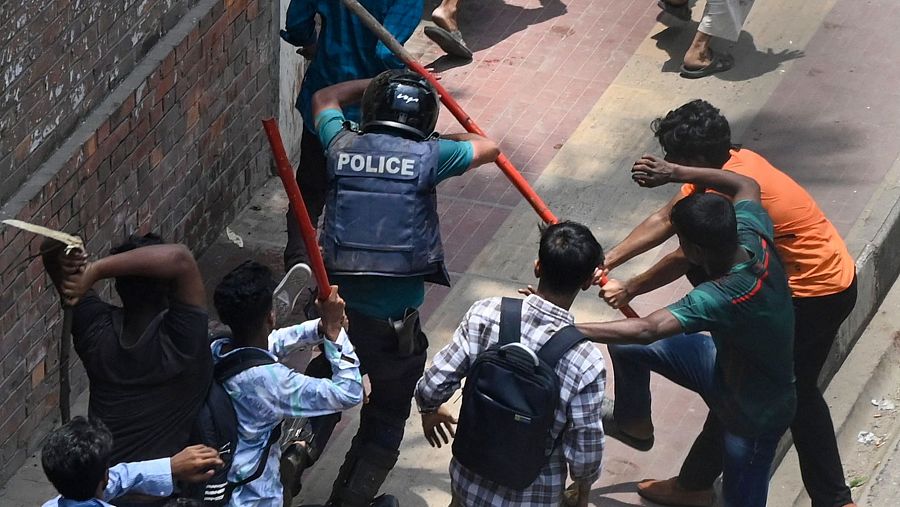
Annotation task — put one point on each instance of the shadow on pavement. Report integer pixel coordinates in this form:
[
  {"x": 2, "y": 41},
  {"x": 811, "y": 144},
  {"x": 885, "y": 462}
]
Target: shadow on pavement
[
  {"x": 484, "y": 24},
  {"x": 446, "y": 62},
  {"x": 598, "y": 495},
  {"x": 785, "y": 140},
  {"x": 749, "y": 61}
]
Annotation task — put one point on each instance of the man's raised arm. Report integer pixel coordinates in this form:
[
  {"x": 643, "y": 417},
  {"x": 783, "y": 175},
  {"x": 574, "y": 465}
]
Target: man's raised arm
[
  {"x": 338, "y": 95},
  {"x": 173, "y": 263},
  {"x": 652, "y": 171}
]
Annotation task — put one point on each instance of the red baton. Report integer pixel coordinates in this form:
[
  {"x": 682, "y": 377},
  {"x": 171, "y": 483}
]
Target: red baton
[{"x": 286, "y": 173}]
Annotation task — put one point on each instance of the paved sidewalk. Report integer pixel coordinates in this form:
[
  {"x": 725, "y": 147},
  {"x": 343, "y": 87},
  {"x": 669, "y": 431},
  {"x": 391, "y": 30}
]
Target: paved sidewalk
[
  {"x": 787, "y": 99},
  {"x": 569, "y": 90},
  {"x": 864, "y": 397}
]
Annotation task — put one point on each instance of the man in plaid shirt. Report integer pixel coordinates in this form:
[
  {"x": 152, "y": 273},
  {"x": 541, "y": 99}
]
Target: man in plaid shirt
[{"x": 568, "y": 257}]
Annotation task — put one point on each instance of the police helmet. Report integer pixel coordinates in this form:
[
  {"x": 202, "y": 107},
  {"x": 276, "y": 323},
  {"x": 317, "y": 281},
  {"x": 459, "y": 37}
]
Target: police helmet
[{"x": 402, "y": 100}]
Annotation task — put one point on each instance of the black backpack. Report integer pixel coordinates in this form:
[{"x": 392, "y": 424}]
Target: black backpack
[
  {"x": 509, "y": 404},
  {"x": 217, "y": 427}
]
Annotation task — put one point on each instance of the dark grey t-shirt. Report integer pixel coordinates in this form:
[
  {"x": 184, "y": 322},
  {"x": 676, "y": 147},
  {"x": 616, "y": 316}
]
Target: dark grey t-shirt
[{"x": 147, "y": 393}]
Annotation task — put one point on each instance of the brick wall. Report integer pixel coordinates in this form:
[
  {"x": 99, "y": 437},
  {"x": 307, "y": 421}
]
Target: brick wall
[
  {"x": 160, "y": 132},
  {"x": 60, "y": 59}
]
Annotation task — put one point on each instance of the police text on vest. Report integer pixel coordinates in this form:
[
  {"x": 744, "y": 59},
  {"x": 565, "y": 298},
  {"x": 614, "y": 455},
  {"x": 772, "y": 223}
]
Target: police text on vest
[{"x": 376, "y": 164}]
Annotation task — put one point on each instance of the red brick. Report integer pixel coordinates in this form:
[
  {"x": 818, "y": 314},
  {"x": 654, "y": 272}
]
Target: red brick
[{"x": 38, "y": 373}]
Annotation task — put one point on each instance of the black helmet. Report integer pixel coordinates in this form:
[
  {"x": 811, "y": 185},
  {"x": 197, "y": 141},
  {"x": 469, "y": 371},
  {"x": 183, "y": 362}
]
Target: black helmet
[{"x": 400, "y": 99}]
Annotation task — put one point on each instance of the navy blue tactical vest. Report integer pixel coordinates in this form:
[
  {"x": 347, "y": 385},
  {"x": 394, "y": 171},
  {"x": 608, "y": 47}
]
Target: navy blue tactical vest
[{"x": 381, "y": 209}]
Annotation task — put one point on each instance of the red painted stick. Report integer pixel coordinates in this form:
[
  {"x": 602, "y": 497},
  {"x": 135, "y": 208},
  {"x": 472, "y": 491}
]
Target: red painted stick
[
  {"x": 286, "y": 173},
  {"x": 400, "y": 52},
  {"x": 514, "y": 176}
]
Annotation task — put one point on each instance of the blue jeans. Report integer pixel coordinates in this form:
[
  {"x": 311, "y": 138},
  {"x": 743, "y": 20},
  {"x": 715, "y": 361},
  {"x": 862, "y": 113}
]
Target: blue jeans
[{"x": 689, "y": 361}]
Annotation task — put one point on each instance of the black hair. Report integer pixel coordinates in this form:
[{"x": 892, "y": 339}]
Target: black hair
[
  {"x": 569, "y": 253},
  {"x": 76, "y": 457},
  {"x": 707, "y": 220},
  {"x": 139, "y": 289},
  {"x": 693, "y": 130},
  {"x": 244, "y": 298}
]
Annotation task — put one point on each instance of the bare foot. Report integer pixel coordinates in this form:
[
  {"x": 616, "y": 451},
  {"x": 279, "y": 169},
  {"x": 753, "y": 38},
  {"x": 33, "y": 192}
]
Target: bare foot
[
  {"x": 697, "y": 59},
  {"x": 445, "y": 18},
  {"x": 698, "y": 54}
]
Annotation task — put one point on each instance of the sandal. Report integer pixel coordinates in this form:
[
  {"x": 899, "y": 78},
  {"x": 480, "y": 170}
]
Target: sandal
[
  {"x": 451, "y": 42},
  {"x": 720, "y": 63}
]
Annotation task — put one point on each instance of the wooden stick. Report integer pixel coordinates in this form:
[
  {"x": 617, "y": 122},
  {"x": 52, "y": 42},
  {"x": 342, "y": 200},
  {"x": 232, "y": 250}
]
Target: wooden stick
[
  {"x": 514, "y": 176},
  {"x": 64, "y": 347}
]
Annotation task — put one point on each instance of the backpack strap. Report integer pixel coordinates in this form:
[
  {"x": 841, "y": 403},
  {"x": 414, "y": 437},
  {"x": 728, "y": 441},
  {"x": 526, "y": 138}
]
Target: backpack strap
[
  {"x": 240, "y": 360},
  {"x": 260, "y": 467},
  {"x": 559, "y": 344},
  {"x": 510, "y": 321},
  {"x": 229, "y": 366}
]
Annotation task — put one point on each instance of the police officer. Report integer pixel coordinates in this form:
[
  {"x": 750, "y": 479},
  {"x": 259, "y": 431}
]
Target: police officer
[
  {"x": 340, "y": 48},
  {"x": 381, "y": 243}
]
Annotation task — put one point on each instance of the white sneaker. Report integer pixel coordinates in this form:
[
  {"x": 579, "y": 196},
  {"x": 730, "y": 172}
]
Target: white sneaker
[{"x": 288, "y": 292}]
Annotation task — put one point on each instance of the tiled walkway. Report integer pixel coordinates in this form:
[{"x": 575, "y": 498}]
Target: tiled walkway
[
  {"x": 568, "y": 88},
  {"x": 537, "y": 72}
]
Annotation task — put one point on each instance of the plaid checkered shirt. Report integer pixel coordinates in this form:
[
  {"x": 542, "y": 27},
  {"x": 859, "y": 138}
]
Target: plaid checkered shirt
[{"x": 582, "y": 376}]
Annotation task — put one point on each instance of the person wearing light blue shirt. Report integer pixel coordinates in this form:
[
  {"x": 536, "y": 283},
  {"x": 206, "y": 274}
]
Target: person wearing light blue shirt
[
  {"x": 76, "y": 456},
  {"x": 265, "y": 395}
]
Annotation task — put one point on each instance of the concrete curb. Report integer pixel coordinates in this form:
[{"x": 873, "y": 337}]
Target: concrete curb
[
  {"x": 876, "y": 238},
  {"x": 868, "y": 373}
]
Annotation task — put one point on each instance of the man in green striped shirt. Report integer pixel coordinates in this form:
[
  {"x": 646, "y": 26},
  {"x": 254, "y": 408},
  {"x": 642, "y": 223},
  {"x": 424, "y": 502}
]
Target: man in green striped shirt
[{"x": 743, "y": 368}]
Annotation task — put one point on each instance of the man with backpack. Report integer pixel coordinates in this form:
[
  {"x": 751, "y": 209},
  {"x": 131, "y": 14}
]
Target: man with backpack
[
  {"x": 506, "y": 451},
  {"x": 264, "y": 392}
]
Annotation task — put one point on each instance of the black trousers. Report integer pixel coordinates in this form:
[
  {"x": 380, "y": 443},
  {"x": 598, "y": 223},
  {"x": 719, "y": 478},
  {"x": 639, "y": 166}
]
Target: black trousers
[
  {"x": 392, "y": 375},
  {"x": 817, "y": 320},
  {"x": 313, "y": 181}
]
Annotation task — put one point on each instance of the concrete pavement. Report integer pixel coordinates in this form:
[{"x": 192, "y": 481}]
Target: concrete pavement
[
  {"x": 569, "y": 90},
  {"x": 864, "y": 396},
  {"x": 769, "y": 102}
]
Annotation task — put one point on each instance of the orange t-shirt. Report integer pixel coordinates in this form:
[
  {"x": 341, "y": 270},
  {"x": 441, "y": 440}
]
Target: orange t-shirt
[{"x": 815, "y": 257}]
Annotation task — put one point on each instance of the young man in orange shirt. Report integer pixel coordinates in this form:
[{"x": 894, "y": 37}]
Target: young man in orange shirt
[{"x": 821, "y": 274}]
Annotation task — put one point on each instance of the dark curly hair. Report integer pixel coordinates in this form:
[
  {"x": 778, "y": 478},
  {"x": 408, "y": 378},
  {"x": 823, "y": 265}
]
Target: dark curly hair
[
  {"x": 693, "y": 130},
  {"x": 244, "y": 298},
  {"x": 76, "y": 457}
]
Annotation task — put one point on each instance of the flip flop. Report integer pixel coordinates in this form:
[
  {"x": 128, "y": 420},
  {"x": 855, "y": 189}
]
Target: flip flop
[
  {"x": 288, "y": 291},
  {"x": 451, "y": 42},
  {"x": 611, "y": 429},
  {"x": 720, "y": 63},
  {"x": 682, "y": 12}
]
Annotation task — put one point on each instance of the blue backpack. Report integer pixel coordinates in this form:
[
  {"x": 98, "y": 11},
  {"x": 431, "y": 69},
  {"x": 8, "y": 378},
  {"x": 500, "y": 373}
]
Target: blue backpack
[
  {"x": 217, "y": 427},
  {"x": 509, "y": 404}
]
